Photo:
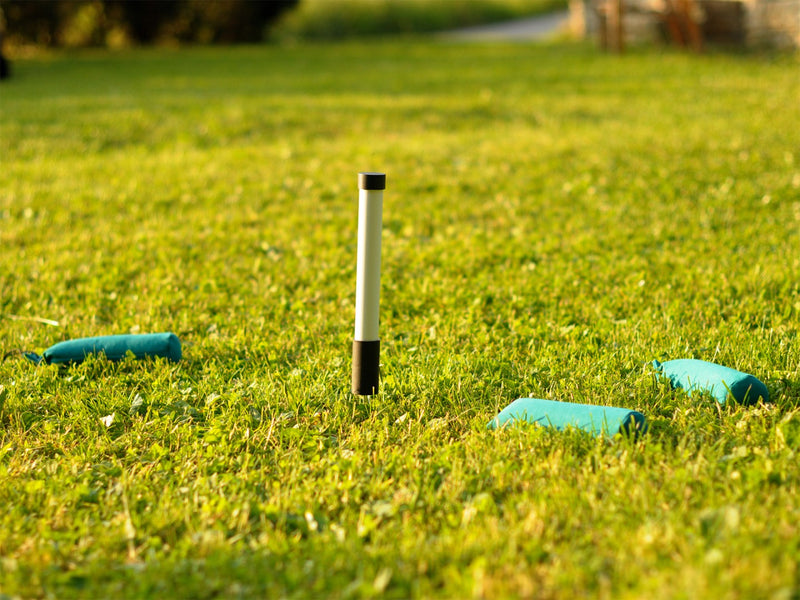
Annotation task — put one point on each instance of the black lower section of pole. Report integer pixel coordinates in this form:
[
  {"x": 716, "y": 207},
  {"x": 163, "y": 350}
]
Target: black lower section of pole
[{"x": 366, "y": 365}]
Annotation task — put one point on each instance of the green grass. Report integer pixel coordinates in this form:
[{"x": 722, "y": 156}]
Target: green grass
[{"x": 555, "y": 218}]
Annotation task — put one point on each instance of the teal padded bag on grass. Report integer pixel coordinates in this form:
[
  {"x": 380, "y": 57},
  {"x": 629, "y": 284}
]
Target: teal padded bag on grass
[
  {"x": 114, "y": 347},
  {"x": 691, "y": 374},
  {"x": 590, "y": 418}
]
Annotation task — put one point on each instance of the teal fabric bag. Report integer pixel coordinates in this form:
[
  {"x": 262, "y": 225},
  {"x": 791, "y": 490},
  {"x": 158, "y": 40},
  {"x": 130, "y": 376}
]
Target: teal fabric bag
[
  {"x": 560, "y": 415},
  {"x": 721, "y": 382},
  {"x": 114, "y": 347}
]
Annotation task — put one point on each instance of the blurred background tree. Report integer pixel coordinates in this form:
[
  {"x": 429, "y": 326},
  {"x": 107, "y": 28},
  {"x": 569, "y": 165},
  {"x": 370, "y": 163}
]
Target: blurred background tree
[{"x": 115, "y": 23}]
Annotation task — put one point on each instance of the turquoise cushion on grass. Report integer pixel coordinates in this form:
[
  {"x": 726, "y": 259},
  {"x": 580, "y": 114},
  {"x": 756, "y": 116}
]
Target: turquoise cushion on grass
[
  {"x": 719, "y": 381},
  {"x": 114, "y": 347},
  {"x": 560, "y": 415}
]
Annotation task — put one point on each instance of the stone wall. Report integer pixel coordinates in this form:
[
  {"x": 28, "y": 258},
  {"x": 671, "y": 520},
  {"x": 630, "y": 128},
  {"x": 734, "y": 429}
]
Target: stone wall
[
  {"x": 773, "y": 23},
  {"x": 752, "y": 23}
]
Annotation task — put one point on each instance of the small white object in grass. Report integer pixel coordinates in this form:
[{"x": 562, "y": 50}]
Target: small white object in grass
[
  {"x": 34, "y": 319},
  {"x": 312, "y": 523},
  {"x": 108, "y": 420}
]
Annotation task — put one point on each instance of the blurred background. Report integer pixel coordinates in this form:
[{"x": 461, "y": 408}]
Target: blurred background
[
  {"x": 614, "y": 24},
  {"x": 123, "y": 23}
]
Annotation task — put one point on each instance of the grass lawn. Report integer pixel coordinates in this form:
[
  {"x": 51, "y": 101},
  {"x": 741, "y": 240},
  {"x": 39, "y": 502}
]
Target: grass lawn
[{"x": 554, "y": 219}]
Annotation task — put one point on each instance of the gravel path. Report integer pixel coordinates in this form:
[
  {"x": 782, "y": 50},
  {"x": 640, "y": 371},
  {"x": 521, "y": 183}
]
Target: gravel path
[{"x": 534, "y": 28}]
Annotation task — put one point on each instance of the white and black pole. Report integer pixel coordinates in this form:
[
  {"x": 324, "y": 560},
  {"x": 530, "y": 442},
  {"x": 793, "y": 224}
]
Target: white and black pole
[{"x": 366, "y": 344}]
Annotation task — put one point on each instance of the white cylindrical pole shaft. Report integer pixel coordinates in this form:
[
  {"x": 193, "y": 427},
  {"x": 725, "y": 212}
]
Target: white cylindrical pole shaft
[
  {"x": 368, "y": 270},
  {"x": 366, "y": 344}
]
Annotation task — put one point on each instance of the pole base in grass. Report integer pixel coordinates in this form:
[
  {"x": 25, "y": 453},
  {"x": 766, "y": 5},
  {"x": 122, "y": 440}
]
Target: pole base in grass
[
  {"x": 596, "y": 420},
  {"x": 721, "y": 382},
  {"x": 366, "y": 367}
]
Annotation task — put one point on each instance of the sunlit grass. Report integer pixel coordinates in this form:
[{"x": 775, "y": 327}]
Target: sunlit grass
[{"x": 554, "y": 219}]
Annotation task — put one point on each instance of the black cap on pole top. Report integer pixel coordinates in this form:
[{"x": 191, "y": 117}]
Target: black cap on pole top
[{"x": 372, "y": 181}]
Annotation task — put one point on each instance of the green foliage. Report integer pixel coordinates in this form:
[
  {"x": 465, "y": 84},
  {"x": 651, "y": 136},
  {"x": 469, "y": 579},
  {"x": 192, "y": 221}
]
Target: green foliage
[
  {"x": 119, "y": 23},
  {"x": 554, "y": 219},
  {"x": 336, "y": 19}
]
